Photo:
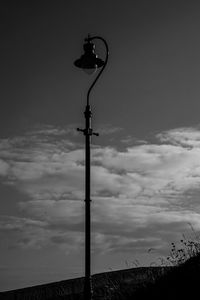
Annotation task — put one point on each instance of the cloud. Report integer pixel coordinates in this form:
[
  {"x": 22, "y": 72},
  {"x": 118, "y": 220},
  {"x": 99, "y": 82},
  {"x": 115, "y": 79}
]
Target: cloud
[
  {"x": 152, "y": 169},
  {"x": 23, "y": 232},
  {"x": 184, "y": 136},
  {"x": 4, "y": 167},
  {"x": 107, "y": 129},
  {"x": 35, "y": 234},
  {"x": 60, "y": 213},
  {"x": 140, "y": 194},
  {"x": 131, "y": 140},
  {"x": 8, "y": 223}
]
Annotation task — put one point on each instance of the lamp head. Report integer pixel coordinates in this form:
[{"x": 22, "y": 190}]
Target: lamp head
[{"x": 89, "y": 61}]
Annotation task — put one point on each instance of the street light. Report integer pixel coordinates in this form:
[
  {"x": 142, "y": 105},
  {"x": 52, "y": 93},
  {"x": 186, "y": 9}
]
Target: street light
[{"x": 89, "y": 62}]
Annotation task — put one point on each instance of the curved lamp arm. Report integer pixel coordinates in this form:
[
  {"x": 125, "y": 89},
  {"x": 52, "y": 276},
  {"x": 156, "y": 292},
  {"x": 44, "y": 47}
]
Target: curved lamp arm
[{"x": 106, "y": 60}]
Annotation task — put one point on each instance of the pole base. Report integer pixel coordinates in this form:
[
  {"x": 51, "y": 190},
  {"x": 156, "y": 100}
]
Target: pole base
[{"x": 88, "y": 292}]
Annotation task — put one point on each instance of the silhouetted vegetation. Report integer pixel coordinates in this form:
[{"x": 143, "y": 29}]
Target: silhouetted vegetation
[{"x": 181, "y": 281}]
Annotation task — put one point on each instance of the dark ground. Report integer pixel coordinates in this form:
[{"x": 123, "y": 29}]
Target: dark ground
[
  {"x": 106, "y": 286},
  {"x": 157, "y": 283},
  {"x": 181, "y": 282}
]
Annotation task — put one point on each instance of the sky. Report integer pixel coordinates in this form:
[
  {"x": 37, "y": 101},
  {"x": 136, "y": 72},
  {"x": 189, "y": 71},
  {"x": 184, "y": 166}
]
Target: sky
[{"x": 146, "y": 161}]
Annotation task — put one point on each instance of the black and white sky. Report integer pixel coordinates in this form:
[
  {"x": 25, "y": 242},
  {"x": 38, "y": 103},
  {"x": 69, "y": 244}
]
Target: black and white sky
[{"x": 146, "y": 161}]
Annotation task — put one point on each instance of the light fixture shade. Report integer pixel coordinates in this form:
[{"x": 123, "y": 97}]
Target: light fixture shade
[{"x": 89, "y": 60}]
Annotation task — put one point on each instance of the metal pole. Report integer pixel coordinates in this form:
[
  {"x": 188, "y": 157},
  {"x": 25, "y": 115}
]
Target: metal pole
[{"x": 87, "y": 133}]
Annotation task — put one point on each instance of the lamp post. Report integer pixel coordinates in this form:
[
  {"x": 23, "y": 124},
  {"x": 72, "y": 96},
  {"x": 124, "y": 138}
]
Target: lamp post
[{"x": 89, "y": 61}]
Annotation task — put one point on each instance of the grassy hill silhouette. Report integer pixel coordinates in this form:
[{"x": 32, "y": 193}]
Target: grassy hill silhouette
[
  {"x": 166, "y": 283},
  {"x": 180, "y": 282},
  {"x": 106, "y": 286}
]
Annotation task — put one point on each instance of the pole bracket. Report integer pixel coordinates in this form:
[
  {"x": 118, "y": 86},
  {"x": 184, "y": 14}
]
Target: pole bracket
[
  {"x": 88, "y": 132},
  {"x": 79, "y": 129},
  {"x": 95, "y": 133}
]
